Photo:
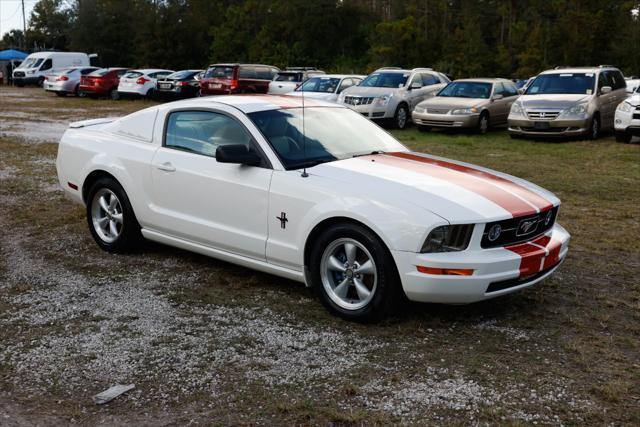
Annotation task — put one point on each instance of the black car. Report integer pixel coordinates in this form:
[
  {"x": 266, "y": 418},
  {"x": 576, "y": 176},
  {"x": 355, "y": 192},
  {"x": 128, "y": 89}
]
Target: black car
[{"x": 181, "y": 84}]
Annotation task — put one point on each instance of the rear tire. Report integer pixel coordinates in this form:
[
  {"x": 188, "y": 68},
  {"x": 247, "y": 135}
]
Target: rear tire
[
  {"x": 114, "y": 95},
  {"x": 110, "y": 217},
  {"x": 623, "y": 137},
  {"x": 354, "y": 274}
]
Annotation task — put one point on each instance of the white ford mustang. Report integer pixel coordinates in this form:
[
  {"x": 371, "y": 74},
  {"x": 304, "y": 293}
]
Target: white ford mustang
[{"x": 367, "y": 220}]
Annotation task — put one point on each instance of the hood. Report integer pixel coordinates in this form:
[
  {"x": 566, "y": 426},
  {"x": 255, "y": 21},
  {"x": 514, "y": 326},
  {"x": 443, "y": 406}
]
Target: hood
[
  {"x": 634, "y": 100},
  {"x": 556, "y": 101},
  {"x": 457, "y": 192},
  {"x": 449, "y": 103},
  {"x": 370, "y": 91}
]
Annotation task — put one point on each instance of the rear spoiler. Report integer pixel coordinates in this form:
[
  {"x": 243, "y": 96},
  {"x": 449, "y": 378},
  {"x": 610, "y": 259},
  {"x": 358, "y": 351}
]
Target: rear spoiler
[{"x": 92, "y": 122}]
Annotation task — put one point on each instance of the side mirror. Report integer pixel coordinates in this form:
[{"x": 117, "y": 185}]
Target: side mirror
[
  {"x": 497, "y": 97},
  {"x": 415, "y": 85},
  {"x": 238, "y": 154},
  {"x": 605, "y": 90}
]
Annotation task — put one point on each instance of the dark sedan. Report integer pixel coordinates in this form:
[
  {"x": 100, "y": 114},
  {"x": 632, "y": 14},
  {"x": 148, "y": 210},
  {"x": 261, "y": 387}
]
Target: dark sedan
[{"x": 181, "y": 84}]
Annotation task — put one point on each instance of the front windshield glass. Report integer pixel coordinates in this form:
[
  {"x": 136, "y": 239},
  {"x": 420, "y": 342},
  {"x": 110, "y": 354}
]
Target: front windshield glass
[
  {"x": 31, "y": 63},
  {"x": 392, "y": 80},
  {"x": 566, "y": 83},
  {"x": 467, "y": 90},
  {"x": 320, "y": 84},
  {"x": 288, "y": 77},
  {"x": 331, "y": 134}
]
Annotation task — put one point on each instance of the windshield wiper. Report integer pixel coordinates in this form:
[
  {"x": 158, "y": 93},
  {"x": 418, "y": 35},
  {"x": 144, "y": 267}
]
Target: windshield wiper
[{"x": 370, "y": 153}]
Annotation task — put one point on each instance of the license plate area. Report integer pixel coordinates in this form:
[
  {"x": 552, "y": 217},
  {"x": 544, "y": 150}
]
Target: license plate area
[
  {"x": 541, "y": 125},
  {"x": 165, "y": 85},
  {"x": 215, "y": 85}
]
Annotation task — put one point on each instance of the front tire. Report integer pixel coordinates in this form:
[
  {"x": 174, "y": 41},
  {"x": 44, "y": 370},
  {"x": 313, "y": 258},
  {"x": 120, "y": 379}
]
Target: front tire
[
  {"x": 623, "y": 137},
  {"x": 483, "y": 123},
  {"x": 114, "y": 95},
  {"x": 110, "y": 217},
  {"x": 594, "y": 129},
  {"x": 401, "y": 117},
  {"x": 353, "y": 273}
]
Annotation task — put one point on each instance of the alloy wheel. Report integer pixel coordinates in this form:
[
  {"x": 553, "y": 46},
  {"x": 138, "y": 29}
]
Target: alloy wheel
[{"x": 107, "y": 215}]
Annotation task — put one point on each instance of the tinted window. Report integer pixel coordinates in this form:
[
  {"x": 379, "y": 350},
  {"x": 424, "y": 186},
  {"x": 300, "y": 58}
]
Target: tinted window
[
  {"x": 87, "y": 71},
  {"x": 247, "y": 73},
  {"x": 202, "y": 132},
  {"x": 569, "y": 83},
  {"x": 467, "y": 90},
  {"x": 288, "y": 77},
  {"x": 603, "y": 80},
  {"x": 182, "y": 75},
  {"x": 510, "y": 89},
  {"x": 320, "y": 84},
  {"x": 220, "y": 71},
  {"x": 391, "y": 80},
  {"x": 616, "y": 80},
  {"x": 47, "y": 65},
  {"x": 429, "y": 79},
  {"x": 263, "y": 73}
]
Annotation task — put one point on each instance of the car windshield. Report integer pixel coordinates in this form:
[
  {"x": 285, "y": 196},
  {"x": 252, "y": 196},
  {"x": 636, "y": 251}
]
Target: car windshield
[
  {"x": 331, "y": 134},
  {"x": 566, "y": 83},
  {"x": 100, "y": 73},
  {"x": 31, "y": 63},
  {"x": 393, "y": 80},
  {"x": 320, "y": 84},
  {"x": 218, "y": 71},
  {"x": 467, "y": 90},
  {"x": 288, "y": 77},
  {"x": 182, "y": 75}
]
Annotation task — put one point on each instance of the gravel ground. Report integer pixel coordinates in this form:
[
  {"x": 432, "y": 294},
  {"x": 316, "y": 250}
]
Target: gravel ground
[{"x": 207, "y": 342}]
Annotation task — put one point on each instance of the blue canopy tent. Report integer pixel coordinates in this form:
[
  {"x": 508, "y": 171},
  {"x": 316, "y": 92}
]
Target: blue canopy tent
[
  {"x": 12, "y": 55},
  {"x": 8, "y": 61}
]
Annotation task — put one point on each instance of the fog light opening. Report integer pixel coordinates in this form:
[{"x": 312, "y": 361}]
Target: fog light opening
[{"x": 445, "y": 271}]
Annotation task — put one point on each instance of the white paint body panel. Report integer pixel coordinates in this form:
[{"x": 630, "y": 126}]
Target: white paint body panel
[{"x": 230, "y": 211}]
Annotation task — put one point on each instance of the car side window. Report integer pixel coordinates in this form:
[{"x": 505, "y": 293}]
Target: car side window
[
  {"x": 247, "y": 73},
  {"x": 417, "y": 78},
  {"x": 121, "y": 72},
  {"x": 616, "y": 80},
  {"x": 429, "y": 79},
  {"x": 46, "y": 65},
  {"x": 202, "y": 132},
  {"x": 510, "y": 89},
  {"x": 603, "y": 80},
  {"x": 346, "y": 83},
  {"x": 498, "y": 89}
]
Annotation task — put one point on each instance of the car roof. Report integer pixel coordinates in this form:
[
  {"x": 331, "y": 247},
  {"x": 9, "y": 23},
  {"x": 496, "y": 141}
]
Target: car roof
[
  {"x": 149, "y": 70},
  {"x": 484, "y": 80},
  {"x": 235, "y": 64},
  {"x": 338, "y": 76},
  {"x": 252, "y": 103},
  {"x": 569, "y": 70}
]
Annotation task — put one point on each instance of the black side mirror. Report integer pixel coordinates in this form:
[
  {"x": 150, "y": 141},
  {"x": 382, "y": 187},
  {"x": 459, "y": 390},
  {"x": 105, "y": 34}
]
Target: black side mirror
[{"x": 239, "y": 154}]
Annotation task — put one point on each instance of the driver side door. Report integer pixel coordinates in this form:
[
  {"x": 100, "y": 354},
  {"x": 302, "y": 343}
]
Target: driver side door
[{"x": 198, "y": 199}]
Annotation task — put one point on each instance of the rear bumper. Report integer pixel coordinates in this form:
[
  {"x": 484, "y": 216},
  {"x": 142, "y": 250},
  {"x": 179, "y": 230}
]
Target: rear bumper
[
  {"x": 63, "y": 87},
  {"x": 445, "y": 120},
  {"x": 519, "y": 125},
  {"x": 497, "y": 271}
]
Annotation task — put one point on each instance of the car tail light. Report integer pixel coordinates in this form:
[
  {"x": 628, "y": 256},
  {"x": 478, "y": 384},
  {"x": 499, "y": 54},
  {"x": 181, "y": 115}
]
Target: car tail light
[
  {"x": 63, "y": 78},
  {"x": 141, "y": 80},
  {"x": 234, "y": 84},
  {"x": 182, "y": 83}
]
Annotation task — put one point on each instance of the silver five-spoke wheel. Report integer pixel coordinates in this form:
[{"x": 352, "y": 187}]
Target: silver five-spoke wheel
[
  {"x": 106, "y": 215},
  {"x": 348, "y": 274}
]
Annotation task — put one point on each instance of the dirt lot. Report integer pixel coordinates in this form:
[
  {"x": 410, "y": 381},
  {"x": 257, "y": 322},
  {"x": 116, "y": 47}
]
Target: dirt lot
[{"x": 206, "y": 342}]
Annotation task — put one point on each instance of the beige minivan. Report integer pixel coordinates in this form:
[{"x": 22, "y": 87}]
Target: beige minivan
[
  {"x": 467, "y": 103},
  {"x": 569, "y": 102}
]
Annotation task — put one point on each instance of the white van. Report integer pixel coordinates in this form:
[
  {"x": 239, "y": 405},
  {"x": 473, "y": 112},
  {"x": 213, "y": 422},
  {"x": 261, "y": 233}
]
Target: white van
[{"x": 35, "y": 66}]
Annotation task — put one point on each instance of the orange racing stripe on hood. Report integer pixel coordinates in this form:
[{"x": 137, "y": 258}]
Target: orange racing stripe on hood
[
  {"x": 483, "y": 187},
  {"x": 529, "y": 196}
]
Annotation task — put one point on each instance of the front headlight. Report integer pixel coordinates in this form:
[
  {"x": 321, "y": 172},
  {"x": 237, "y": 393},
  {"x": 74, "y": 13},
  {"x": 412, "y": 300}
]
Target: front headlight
[
  {"x": 420, "y": 109},
  {"x": 31, "y": 72},
  {"x": 579, "y": 110},
  {"x": 448, "y": 238},
  {"x": 516, "y": 109},
  {"x": 625, "y": 107},
  {"x": 464, "y": 111},
  {"x": 384, "y": 99}
]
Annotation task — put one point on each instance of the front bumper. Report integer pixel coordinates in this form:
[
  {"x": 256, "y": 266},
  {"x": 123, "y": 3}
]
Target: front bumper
[
  {"x": 26, "y": 80},
  {"x": 373, "y": 110},
  {"x": 628, "y": 122},
  {"x": 497, "y": 271},
  {"x": 445, "y": 120},
  {"x": 519, "y": 125}
]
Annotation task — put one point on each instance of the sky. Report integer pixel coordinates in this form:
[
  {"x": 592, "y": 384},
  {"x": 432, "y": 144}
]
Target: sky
[{"x": 11, "y": 14}]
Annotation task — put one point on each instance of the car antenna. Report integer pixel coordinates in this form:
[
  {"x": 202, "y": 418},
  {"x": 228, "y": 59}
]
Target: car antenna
[{"x": 304, "y": 139}]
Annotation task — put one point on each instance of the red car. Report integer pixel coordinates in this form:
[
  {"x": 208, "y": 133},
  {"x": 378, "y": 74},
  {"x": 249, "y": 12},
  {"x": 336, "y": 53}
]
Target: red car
[
  {"x": 222, "y": 79},
  {"x": 102, "y": 82}
]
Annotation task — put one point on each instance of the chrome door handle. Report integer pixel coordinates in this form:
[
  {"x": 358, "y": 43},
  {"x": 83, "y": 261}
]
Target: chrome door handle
[{"x": 166, "y": 166}]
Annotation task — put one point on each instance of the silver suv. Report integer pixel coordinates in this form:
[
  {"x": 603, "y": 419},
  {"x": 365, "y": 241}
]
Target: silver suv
[
  {"x": 568, "y": 102},
  {"x": 393, "y": 93}
]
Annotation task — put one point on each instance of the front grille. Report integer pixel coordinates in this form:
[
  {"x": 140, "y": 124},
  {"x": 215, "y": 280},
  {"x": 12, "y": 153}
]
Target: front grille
[
  {"x": 437, "y": 110},
  {"x": 438, "y": 123},
  {"x": 547, "y": 130},
  {"x": 543, "y": 115},
  {"x": 512, "y": 233},
  {"x": 636, "y": 116},
  {"x": 518, "y": 281},
  {"x": 18, "y": 74},
  {"x": 358, "y": 100}
]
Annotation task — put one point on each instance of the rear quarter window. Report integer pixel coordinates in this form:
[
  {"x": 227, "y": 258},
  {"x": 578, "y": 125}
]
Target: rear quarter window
[{"x": 247, "y": 72}]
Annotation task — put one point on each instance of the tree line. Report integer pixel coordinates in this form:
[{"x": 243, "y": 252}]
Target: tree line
[{"x": 506, "y": 38}]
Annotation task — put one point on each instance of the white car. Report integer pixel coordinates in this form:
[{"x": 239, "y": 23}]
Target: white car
[
  {"x": 632, "y": 85},
  {"x": 327, "y": 87},
  {"x": 627, "y": 120},
  {"x": 66, "y": 81},
  {"x": 289, "y": 79},
  {"x": 141, "y": 83},
  {"x": 323, "y": 196}
]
